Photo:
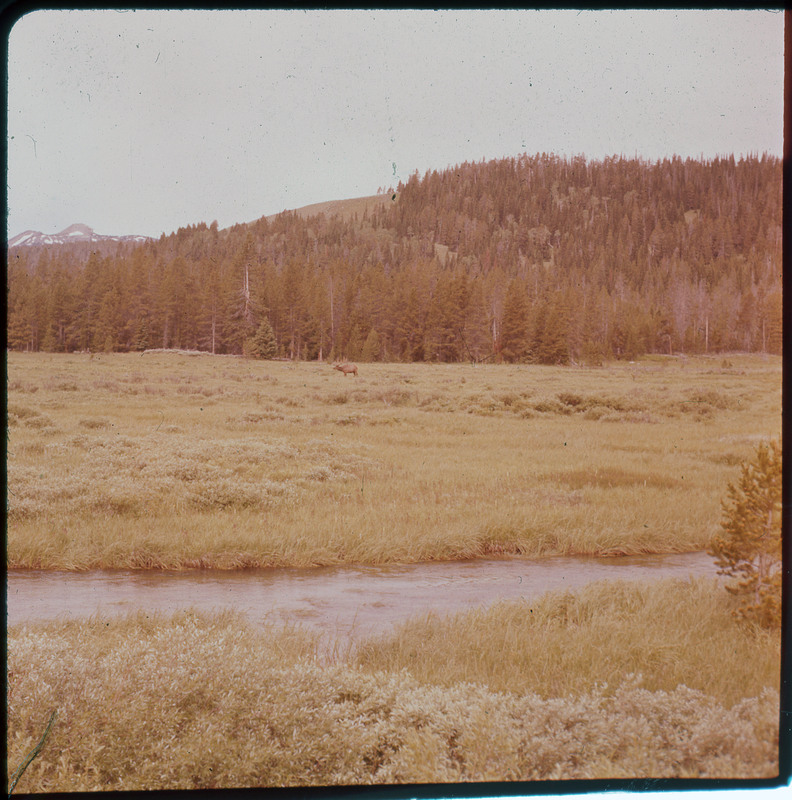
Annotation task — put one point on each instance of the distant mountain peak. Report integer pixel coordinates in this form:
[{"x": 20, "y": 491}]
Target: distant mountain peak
[
  {"x": 74, "y": 233},
  {"x": 78, "y": 229}
]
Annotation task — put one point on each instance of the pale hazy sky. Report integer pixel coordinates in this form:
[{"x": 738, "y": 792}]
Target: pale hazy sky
[{"x": 140, "y": 122}]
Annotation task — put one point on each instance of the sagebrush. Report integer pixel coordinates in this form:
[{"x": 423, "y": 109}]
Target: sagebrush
[{"x": 207, "y": 701}]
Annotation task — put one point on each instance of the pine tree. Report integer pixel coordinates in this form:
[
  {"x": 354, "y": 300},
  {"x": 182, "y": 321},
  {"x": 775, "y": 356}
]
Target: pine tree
[
  {"x": 477, "y": 332},
  {"x": 240, "y": 307},
  {"x": 19, "y": 309},
  {"x": 749, "y": 549},
  {"x": 262, "y": 344},
  {"x": 142, "y": 337},
  {"x": 410, "y": 326},
  {"x": 355, "y": 342},
  {"x": 60, "y": 309},
  {"x": 775, "y": 324},
  {"x": 106, "y": 323},
  {"x": 514, "y": 333},
  {"x": 699, "y": 242},
  {"x": 551, "y": 332},
  {"x": 371, "y": 347},
  {"x": 17, "y": 329}
]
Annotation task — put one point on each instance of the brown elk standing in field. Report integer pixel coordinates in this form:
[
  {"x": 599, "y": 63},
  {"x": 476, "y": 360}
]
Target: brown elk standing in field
[{"x": 346, "y": 369}]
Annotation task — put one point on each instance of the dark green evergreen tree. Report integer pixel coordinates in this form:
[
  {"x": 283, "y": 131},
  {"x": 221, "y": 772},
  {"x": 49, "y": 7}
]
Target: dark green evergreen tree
[
  {"x": 371, "y": 347},
  {"x": 675, "y": 255},
  {"x": 142, "y": 337},
  {"x": 514, "y": 326},
  {"x": 262, "y": 344}
]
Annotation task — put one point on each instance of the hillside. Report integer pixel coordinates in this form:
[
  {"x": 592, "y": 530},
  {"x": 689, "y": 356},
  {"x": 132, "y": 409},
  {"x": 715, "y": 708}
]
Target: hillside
[
  {"x": 528, "y": 259},
  {"x": 346, "y": 210}
]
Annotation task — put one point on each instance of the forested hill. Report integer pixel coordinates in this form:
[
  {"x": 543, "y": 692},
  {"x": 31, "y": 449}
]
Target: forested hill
[{"x": 535, "y": 259}]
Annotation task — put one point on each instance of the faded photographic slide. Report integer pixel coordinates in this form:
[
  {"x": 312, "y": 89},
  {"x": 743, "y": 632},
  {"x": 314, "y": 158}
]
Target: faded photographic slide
[{"x": 394, "y": 401}]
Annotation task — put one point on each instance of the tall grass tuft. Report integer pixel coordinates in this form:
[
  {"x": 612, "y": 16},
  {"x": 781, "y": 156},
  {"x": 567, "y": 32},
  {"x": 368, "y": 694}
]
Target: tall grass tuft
[{"x": 670, "y": 633}]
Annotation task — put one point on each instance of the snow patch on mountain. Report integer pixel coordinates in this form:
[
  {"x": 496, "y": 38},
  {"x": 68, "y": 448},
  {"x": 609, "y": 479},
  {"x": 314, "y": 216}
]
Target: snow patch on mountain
[{"x": 74, "y": 233}]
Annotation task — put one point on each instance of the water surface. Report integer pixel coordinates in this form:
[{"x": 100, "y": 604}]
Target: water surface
[{"x": 346, "y": 603}]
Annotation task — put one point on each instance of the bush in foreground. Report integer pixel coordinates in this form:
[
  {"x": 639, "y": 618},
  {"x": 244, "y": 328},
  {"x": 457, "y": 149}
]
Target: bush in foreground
[
  {"x": 749, "y": 547},
  {"x": 208, "y": 701}
]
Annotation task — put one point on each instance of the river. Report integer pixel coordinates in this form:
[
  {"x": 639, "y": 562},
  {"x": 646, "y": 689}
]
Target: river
[{"x": 346, "y": 603}]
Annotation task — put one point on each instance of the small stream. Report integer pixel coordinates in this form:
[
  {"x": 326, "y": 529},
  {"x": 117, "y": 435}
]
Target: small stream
[{"x": 346, "y": 603}]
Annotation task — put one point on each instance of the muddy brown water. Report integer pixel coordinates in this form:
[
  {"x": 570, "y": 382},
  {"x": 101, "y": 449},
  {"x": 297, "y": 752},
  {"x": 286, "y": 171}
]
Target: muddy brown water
[{"x": 345, "y": 603}]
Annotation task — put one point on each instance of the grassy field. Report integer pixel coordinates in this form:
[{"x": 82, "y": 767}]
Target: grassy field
[
  {"x": 603, "y": 684},
  {"x": 173, "y": 460},
  {"x": 169, "y": 460},
  {"x": 346, "y": 209}
]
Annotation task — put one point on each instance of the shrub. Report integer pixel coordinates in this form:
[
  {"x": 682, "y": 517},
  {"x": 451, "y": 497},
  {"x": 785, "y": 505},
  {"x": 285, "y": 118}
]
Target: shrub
[
  {"x": 196, "y": 701},
  {"x": 749, "y": 549},
  {"x": 569, "y": 399},
  {"x": 549, "y": 405}
]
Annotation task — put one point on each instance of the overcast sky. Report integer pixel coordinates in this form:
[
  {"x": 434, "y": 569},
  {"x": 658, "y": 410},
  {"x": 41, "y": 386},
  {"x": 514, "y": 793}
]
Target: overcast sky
[{"x": 140, "y": 122}]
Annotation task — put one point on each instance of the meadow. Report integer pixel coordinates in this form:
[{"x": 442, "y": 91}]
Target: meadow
[{"x": 179, "y": 460}]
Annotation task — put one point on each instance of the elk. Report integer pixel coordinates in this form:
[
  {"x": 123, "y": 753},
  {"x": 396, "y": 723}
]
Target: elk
[{"x": 346, "y": 369}]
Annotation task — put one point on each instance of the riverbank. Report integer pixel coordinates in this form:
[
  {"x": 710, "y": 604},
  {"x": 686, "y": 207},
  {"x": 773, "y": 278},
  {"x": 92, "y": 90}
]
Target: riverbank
[
  {"x": 343, "y": 604},
  {"x": 170, "y": 461},
  {"x": 601, "y": 684}
]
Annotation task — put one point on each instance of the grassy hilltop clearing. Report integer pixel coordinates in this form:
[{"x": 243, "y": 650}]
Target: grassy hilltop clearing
[{"x": 169, "y": 460}]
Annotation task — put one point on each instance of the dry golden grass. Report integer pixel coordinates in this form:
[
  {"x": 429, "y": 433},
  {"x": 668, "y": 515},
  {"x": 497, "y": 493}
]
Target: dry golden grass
[
  {"x": 670, "y": 632},
  {"x": 175, "y": 460},
  {"x": 194, "y": 701},
  {"x": 182, "y": 460},
  {"x": 346, "y": 209}
]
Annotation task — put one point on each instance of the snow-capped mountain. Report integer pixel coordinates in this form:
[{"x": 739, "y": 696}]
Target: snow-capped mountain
[{"x": 74, "y": 233}]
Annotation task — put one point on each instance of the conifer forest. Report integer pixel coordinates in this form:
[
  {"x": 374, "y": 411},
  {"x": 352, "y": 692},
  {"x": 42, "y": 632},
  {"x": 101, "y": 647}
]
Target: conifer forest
[{"x": 535, "y": 259}]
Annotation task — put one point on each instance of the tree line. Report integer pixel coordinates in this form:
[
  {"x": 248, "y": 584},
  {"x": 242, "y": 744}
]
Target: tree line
[{"x": 530, "y": 259}]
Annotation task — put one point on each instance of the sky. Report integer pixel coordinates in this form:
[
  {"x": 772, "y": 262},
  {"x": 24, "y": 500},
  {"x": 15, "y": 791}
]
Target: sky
[{"x": 141, "y": 122}]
